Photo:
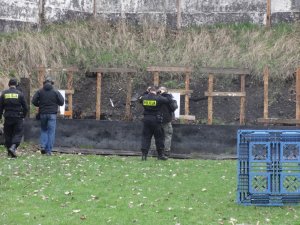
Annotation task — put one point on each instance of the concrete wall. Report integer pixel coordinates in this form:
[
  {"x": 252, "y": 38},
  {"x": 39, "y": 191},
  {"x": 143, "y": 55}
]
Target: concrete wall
[{"x": 15, "y": 14}]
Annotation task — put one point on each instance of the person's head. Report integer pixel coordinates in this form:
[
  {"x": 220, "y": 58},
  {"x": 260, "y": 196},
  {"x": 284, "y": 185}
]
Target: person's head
[
  {"x": 13, "y": 82},
  {"x": 163, "y": 90},
  {"x": 48, "y": 80},
  {"x": 152, "y": 90}
]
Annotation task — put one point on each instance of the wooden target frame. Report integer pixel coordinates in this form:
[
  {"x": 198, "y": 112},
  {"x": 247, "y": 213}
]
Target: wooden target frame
[
  {"x": 155, "y": 70},
  {"x": 210, "y": 93},
  {"x": 98, "y": 73}
]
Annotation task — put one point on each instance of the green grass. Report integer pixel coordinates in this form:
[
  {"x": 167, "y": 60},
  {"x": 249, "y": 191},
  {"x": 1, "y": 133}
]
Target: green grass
[{"x": 77, "y": 189}]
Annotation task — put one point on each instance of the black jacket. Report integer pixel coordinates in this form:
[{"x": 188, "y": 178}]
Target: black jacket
[
  {"x": 166, "y": 110},
  {"x": 13, "y": 103},
  {"x": 47, "y": 99},
  {"x": 152, "y": 103}
]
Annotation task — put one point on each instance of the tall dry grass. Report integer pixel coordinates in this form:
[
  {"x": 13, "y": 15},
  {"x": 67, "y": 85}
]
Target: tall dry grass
[{"x": 97, "y": 43}]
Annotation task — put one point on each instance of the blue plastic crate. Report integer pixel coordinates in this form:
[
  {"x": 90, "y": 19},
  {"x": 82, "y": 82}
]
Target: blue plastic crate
[{"x": 268, "y": 167}]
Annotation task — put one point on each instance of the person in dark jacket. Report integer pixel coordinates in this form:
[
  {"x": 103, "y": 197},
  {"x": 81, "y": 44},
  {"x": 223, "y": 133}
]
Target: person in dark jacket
[
  {"x": 152, "y": 122},
  {"x": 13, "y": 103},
  {"x": 47, "y": 99},
  {"x": 167, "y": 111}
]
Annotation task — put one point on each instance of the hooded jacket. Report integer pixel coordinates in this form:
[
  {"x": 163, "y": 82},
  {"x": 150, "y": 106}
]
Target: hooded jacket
[{"x": 47, "y": 99}]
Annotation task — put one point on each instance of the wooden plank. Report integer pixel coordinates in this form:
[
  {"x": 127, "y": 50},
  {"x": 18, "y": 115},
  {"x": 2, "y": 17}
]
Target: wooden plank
[
  {"x": 298, "y": 94},
  {"x": 128, "y": 98},
  {"x": 243, "y": 100},
  {"x": 266, "y": 92},
  {"x": 187, "y": 117},
  {"x": 68, "y": 114},
  {"x": 180, "y": 91},
  {"x": 70, "y": 96},
  {"x": 69, "y": 92},
  {"x": 224, "y": 71},
  {"x": 268, "y": 14},
  {"x": 225, "y": 94},
  {"x": 112, "y": 70},
  {"x": 98, "y": 96},
  {"x": 187, "y": 97},
  {"x": 169, "y": 69},
  {"x": 156, "y": 78},
  {"x": 278, "y": 121},
  {"x": 210, "y": 99}
]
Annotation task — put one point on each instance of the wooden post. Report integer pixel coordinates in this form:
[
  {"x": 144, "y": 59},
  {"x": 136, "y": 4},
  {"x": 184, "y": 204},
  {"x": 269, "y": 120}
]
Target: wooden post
[
  {"x": 25, "y": 87},
  {"x": 187, "y": 97},
  {"x": 266, "y": 93},
  {"x": 128, "y": 98},
  {"x": 70, "y": 96},
  {"x": 243, "y": 100},
  {"x": 268, "y": 19},
  {"x": 156, "y": 78},
  {"x": 41, "y": 75},
  {"x": 210, "y": 99},
  {"x": 298, "y": 94},
  {"x": 98, "y": 96},
  {"x": 178, "y": 6}
]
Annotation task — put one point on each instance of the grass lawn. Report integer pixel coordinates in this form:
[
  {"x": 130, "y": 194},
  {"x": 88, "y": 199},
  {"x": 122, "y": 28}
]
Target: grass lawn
[{"x": 78, "y": 189}]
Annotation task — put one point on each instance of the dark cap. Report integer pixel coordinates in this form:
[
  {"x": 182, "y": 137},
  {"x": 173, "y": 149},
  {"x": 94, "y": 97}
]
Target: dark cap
[
  {"x": 13, "y": 82},
  {"x": 49, "y": 80}
]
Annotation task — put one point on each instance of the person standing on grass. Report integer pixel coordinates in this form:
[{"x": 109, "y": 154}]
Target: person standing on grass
[
  {"x": 167, "y": 111},
  {"x": 152, "y": 123},
  {"x": 13, "y": 104},
  {"x": 47, "y": 99}
]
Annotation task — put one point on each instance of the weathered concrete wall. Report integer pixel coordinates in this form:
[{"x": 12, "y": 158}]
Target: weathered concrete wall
[{"x": 14, "y": 14}]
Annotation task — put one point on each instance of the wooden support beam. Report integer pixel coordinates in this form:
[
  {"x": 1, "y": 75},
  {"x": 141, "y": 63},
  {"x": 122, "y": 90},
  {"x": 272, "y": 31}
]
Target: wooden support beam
[
  {"x": 268, "y": 14},
  {"x": 298, "y": 94},
  {"x": 180, "y": 91},
  {"x": 112, "y": 70},
  {"x": 225, "y": 94},
  {"x": 70, "y": 96},
  {"x": 224, "y": 71},
  {"x": 187, "y": 117},
  {"x": 187, "y": 97},
  {"x": 98, "y": 96},
  {"x": 278, "y": 121},
  {"x": 128, "y": 98},
  {"x": 156, "y": 78},
  {"x": 243, "y": 100},
  {"x": 41, "y": 75},
  {"x": 210, "y": 99},
  {"x": 266, "y": 92},
  {"x": 169, "y": 69}
]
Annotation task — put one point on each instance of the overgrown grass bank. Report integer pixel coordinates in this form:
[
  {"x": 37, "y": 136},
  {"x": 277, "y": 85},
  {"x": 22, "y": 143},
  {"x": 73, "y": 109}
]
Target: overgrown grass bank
[
  {"x": 73, "y": 189},
  {"x": 91, "y": 43}
]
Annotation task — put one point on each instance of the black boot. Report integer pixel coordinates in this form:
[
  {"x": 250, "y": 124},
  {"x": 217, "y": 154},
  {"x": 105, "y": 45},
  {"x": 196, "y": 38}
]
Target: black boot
[
  {"x": 12, "y": 151},
  {"x": 161, "y": 155},
  {"x": 144, "y": 155}
]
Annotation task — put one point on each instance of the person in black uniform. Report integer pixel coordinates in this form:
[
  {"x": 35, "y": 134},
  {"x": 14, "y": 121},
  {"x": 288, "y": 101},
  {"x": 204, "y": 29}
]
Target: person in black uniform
[
  {"x": 13, "y": 104},
  {"x": 152, "y": 122}
]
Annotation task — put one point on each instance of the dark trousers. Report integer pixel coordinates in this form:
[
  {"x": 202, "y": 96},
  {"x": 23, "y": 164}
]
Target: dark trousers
[
  {"x": 152, "y": 128},
  {"x": 13, "y": 131}
]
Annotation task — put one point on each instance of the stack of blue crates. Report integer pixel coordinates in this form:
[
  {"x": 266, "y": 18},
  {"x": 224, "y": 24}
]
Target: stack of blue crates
[{"x": 268, "y": 167}]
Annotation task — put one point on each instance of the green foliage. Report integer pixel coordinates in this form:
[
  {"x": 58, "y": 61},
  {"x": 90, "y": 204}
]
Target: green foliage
[{"x": 72, "y": 189}]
